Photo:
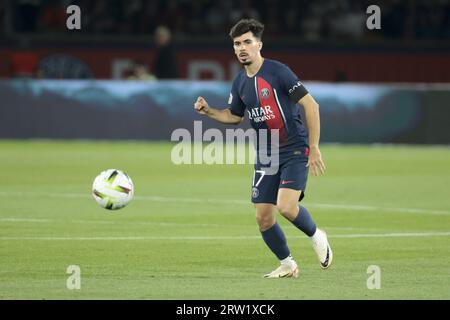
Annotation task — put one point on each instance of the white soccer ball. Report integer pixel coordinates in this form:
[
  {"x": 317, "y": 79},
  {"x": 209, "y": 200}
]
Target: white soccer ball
[{"x": 113, "y": 189}]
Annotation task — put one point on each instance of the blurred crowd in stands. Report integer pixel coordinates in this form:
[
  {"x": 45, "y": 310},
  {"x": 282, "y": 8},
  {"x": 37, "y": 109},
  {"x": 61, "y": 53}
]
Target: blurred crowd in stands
[{"x": 308, "y": 19}]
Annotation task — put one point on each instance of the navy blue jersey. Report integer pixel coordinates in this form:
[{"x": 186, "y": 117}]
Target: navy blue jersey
[{"x": 270, "y": 98}]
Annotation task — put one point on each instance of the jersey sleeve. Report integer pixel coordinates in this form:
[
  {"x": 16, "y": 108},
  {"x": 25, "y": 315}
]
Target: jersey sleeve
[
  {"x": 291, "y": 84},
  {"x": 235, "y": 104}
]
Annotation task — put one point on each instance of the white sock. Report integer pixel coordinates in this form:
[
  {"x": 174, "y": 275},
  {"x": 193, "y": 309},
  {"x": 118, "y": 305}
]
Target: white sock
[
  {"x": 317, "y": 236},
  {"x": 289, "y": 261}
]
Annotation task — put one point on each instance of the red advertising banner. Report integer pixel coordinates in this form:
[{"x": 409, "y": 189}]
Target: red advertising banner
[{"x": 220, "y": 64}]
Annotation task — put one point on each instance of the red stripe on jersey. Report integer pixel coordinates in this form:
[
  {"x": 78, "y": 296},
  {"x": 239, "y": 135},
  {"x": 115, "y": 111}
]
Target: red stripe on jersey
[{"x": 268, "y": 101}]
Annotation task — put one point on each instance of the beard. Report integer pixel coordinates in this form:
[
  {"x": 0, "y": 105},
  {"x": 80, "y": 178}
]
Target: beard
[{"x": 246, "y": 62}]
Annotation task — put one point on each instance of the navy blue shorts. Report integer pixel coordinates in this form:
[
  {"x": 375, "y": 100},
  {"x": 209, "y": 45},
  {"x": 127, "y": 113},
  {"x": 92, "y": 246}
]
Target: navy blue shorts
[{"x": 292, "y": 174}]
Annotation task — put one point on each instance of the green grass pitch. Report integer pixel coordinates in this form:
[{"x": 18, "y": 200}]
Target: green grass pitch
[{"x": 190, "y": 232}]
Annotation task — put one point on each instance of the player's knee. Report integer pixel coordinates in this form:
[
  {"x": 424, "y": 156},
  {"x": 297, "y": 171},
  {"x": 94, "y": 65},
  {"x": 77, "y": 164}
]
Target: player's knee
[
  {"x": 265, "y": 221},
  {"x": 287, "y": 210}
]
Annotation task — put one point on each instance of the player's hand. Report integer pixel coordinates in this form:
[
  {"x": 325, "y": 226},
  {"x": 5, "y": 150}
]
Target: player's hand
[
  {"x": 315, "y": 162},
  {"x": 201, "y": 106}
]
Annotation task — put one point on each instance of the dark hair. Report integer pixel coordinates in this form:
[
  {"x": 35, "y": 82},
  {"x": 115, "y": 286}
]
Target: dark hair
[{"x": 246, "y": 25}]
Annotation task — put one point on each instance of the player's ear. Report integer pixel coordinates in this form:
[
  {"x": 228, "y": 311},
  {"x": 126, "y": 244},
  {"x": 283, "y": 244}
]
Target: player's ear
[{"x": 260, "y": 45}]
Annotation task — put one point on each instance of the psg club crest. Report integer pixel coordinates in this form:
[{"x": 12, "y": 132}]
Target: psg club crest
[
  {"x": 265, "y": 93},
  {"x": 255, "y": 192}
]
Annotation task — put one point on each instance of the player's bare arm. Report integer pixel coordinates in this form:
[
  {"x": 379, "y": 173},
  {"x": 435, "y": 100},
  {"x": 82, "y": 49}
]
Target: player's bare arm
[
  {"x": 223, "y": 116},
  {"x": 315, "y": 162}
]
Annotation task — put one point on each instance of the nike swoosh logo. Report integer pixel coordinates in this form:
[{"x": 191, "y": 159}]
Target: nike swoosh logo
[
  {"x": 325, "y": 263},
  {"x": 287, "y": 181}
]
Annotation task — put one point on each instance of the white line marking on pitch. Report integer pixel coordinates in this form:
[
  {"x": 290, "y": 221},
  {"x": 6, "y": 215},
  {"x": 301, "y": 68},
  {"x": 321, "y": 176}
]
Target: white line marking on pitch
[
  {"x": 116, "y": 222},
  {"x": 149, "y": 223},
  {"x": 230, "y": 238},
  {"x": 233, "y": 201}
]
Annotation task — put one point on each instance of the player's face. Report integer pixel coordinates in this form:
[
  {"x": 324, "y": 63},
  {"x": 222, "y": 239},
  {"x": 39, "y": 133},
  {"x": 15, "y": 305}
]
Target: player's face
[{"x": 247, "y": 48}]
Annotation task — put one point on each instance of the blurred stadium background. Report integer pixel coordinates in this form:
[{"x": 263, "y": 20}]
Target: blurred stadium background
[
  {"x": 393, "y": 78},
  {"x": 130, "y": 76}
]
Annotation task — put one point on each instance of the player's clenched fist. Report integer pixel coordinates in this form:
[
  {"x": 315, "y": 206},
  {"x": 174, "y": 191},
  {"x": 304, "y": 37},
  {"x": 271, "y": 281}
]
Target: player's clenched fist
[{"x": 201, "y": 106}]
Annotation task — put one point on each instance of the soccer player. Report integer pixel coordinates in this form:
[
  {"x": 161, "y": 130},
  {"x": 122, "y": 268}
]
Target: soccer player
[{"x": 270, "y": 91}]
